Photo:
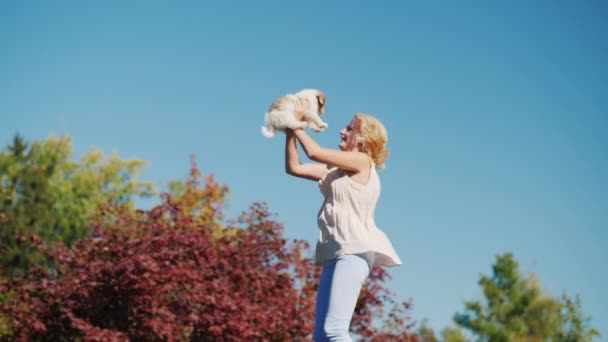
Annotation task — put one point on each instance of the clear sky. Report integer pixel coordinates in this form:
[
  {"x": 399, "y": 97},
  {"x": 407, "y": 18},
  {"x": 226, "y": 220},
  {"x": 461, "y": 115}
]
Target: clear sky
[{"x": 497, "y": 113}]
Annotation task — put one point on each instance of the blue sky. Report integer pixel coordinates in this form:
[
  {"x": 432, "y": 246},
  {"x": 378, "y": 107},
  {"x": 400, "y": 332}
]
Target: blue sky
[{"x": 496, "y": 111}]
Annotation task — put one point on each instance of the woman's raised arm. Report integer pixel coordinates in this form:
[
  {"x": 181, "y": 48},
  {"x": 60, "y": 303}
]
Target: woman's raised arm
[
  {"x": 354, "y": 161},
  {"x": 294, "y": 167}
]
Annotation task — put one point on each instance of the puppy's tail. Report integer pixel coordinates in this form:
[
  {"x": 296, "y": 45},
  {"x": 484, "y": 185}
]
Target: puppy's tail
[{"x": 268, "y": 131}]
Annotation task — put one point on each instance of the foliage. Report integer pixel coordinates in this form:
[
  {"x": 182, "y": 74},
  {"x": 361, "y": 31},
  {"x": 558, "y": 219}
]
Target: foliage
[
  {"x": 515, "y": 309},
  {"x": 575, "y": 326},
  {"x": 449, "y": 334},
  {"x": 45, "y": 193},
  {"x": 176, "y": 273},
  {"x": 427, "y": 334}
]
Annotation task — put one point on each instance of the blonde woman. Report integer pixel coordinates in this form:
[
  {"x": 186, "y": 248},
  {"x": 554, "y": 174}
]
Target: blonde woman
[{"x": 349, "y": 242}]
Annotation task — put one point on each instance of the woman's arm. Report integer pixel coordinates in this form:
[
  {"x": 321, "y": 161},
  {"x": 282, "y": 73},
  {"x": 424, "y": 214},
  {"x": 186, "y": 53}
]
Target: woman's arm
[
  {"x": 292, "y": 161},
  {"x": 350, "y": 161}
]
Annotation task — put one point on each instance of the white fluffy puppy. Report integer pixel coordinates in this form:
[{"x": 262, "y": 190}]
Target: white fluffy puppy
[{"x": 280, "y": 116}]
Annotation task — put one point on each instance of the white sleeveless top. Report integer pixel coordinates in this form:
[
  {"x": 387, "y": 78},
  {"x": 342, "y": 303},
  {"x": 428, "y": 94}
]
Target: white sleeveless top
[{"x": 346, "y": 219}]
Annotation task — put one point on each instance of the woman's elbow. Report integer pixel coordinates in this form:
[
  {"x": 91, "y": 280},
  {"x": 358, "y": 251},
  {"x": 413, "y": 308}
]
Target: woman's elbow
[
  {"x": 290, "y": 170},
  {"x": 314, "y": 154}
]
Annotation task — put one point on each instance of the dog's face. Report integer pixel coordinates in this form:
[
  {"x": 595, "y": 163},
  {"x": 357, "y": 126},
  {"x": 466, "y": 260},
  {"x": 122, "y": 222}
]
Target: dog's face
[
  {"x": 314, "y": 96},
  {"x": 321, "y": 101}
]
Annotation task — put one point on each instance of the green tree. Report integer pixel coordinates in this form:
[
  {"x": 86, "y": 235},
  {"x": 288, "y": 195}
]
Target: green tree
[
  {"x": 452, "y": 334},
  {"x": 449, "y": 334},
  {"x": 46, "y": 193},
  {"x": 575, "y": 326},
  {"x": 426, "y": 333},
  {"x": 516, "y": 309}
]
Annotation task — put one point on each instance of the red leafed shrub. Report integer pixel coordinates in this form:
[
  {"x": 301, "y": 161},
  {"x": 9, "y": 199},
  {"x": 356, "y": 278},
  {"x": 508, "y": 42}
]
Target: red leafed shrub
[{"x": 175, "y": 273}]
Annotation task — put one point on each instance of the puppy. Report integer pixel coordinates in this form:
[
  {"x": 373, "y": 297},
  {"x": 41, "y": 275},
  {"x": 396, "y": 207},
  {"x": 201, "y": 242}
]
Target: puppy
[{"x": 280, "y": 115}]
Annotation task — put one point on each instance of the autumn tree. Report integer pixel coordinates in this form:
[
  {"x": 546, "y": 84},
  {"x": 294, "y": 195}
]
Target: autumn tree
[
  {"x": 46, "y": 193},
  {"x": 178, "y": 272}
]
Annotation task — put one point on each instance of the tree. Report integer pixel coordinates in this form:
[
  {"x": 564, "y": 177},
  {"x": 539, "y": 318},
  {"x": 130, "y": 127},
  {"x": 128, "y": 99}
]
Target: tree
[
  {"x": 516, "y": 309},
  {"x": 427, "y": 334},
  {"x": 575, "y": 326},
  {"x": 44, "y": 192},
  {"x": 169, "y": 273},
  {"x": 449, "y": 334}
]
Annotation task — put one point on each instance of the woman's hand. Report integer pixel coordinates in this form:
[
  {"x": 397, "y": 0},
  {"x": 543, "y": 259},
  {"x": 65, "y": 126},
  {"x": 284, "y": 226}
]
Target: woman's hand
[{"x": 293, "y": 166}]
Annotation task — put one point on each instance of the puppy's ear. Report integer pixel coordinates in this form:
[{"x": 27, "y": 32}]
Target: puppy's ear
[{"x": 321, "y": 101}]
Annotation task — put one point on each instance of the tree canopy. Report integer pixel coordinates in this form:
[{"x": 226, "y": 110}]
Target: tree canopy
[
  {"x": 178, "y": 272},
  {"x": 515, "y": 308},
  {"x": 44, "y": 192}
]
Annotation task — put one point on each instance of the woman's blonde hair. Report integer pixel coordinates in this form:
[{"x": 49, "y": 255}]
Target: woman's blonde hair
[{"x": 374, "y": 138}]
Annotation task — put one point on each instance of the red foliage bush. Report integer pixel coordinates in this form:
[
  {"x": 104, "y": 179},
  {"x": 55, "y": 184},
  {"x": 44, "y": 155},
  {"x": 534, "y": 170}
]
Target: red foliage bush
[{"x": 175, "y": 273}]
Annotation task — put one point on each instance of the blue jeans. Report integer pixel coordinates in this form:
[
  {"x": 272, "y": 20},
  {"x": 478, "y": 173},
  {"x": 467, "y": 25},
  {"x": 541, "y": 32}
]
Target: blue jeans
[{"x": 339, "y": 287}]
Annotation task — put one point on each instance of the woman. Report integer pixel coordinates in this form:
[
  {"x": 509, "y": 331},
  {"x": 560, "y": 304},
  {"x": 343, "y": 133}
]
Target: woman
[{"x": 349, "y": 243}]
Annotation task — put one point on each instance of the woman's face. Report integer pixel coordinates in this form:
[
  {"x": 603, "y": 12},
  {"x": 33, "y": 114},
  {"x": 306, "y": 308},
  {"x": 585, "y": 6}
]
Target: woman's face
[{"x": 349, "y": 136}]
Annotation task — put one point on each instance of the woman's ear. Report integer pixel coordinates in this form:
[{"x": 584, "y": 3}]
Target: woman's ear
[{"x": 360, "y": 143}]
